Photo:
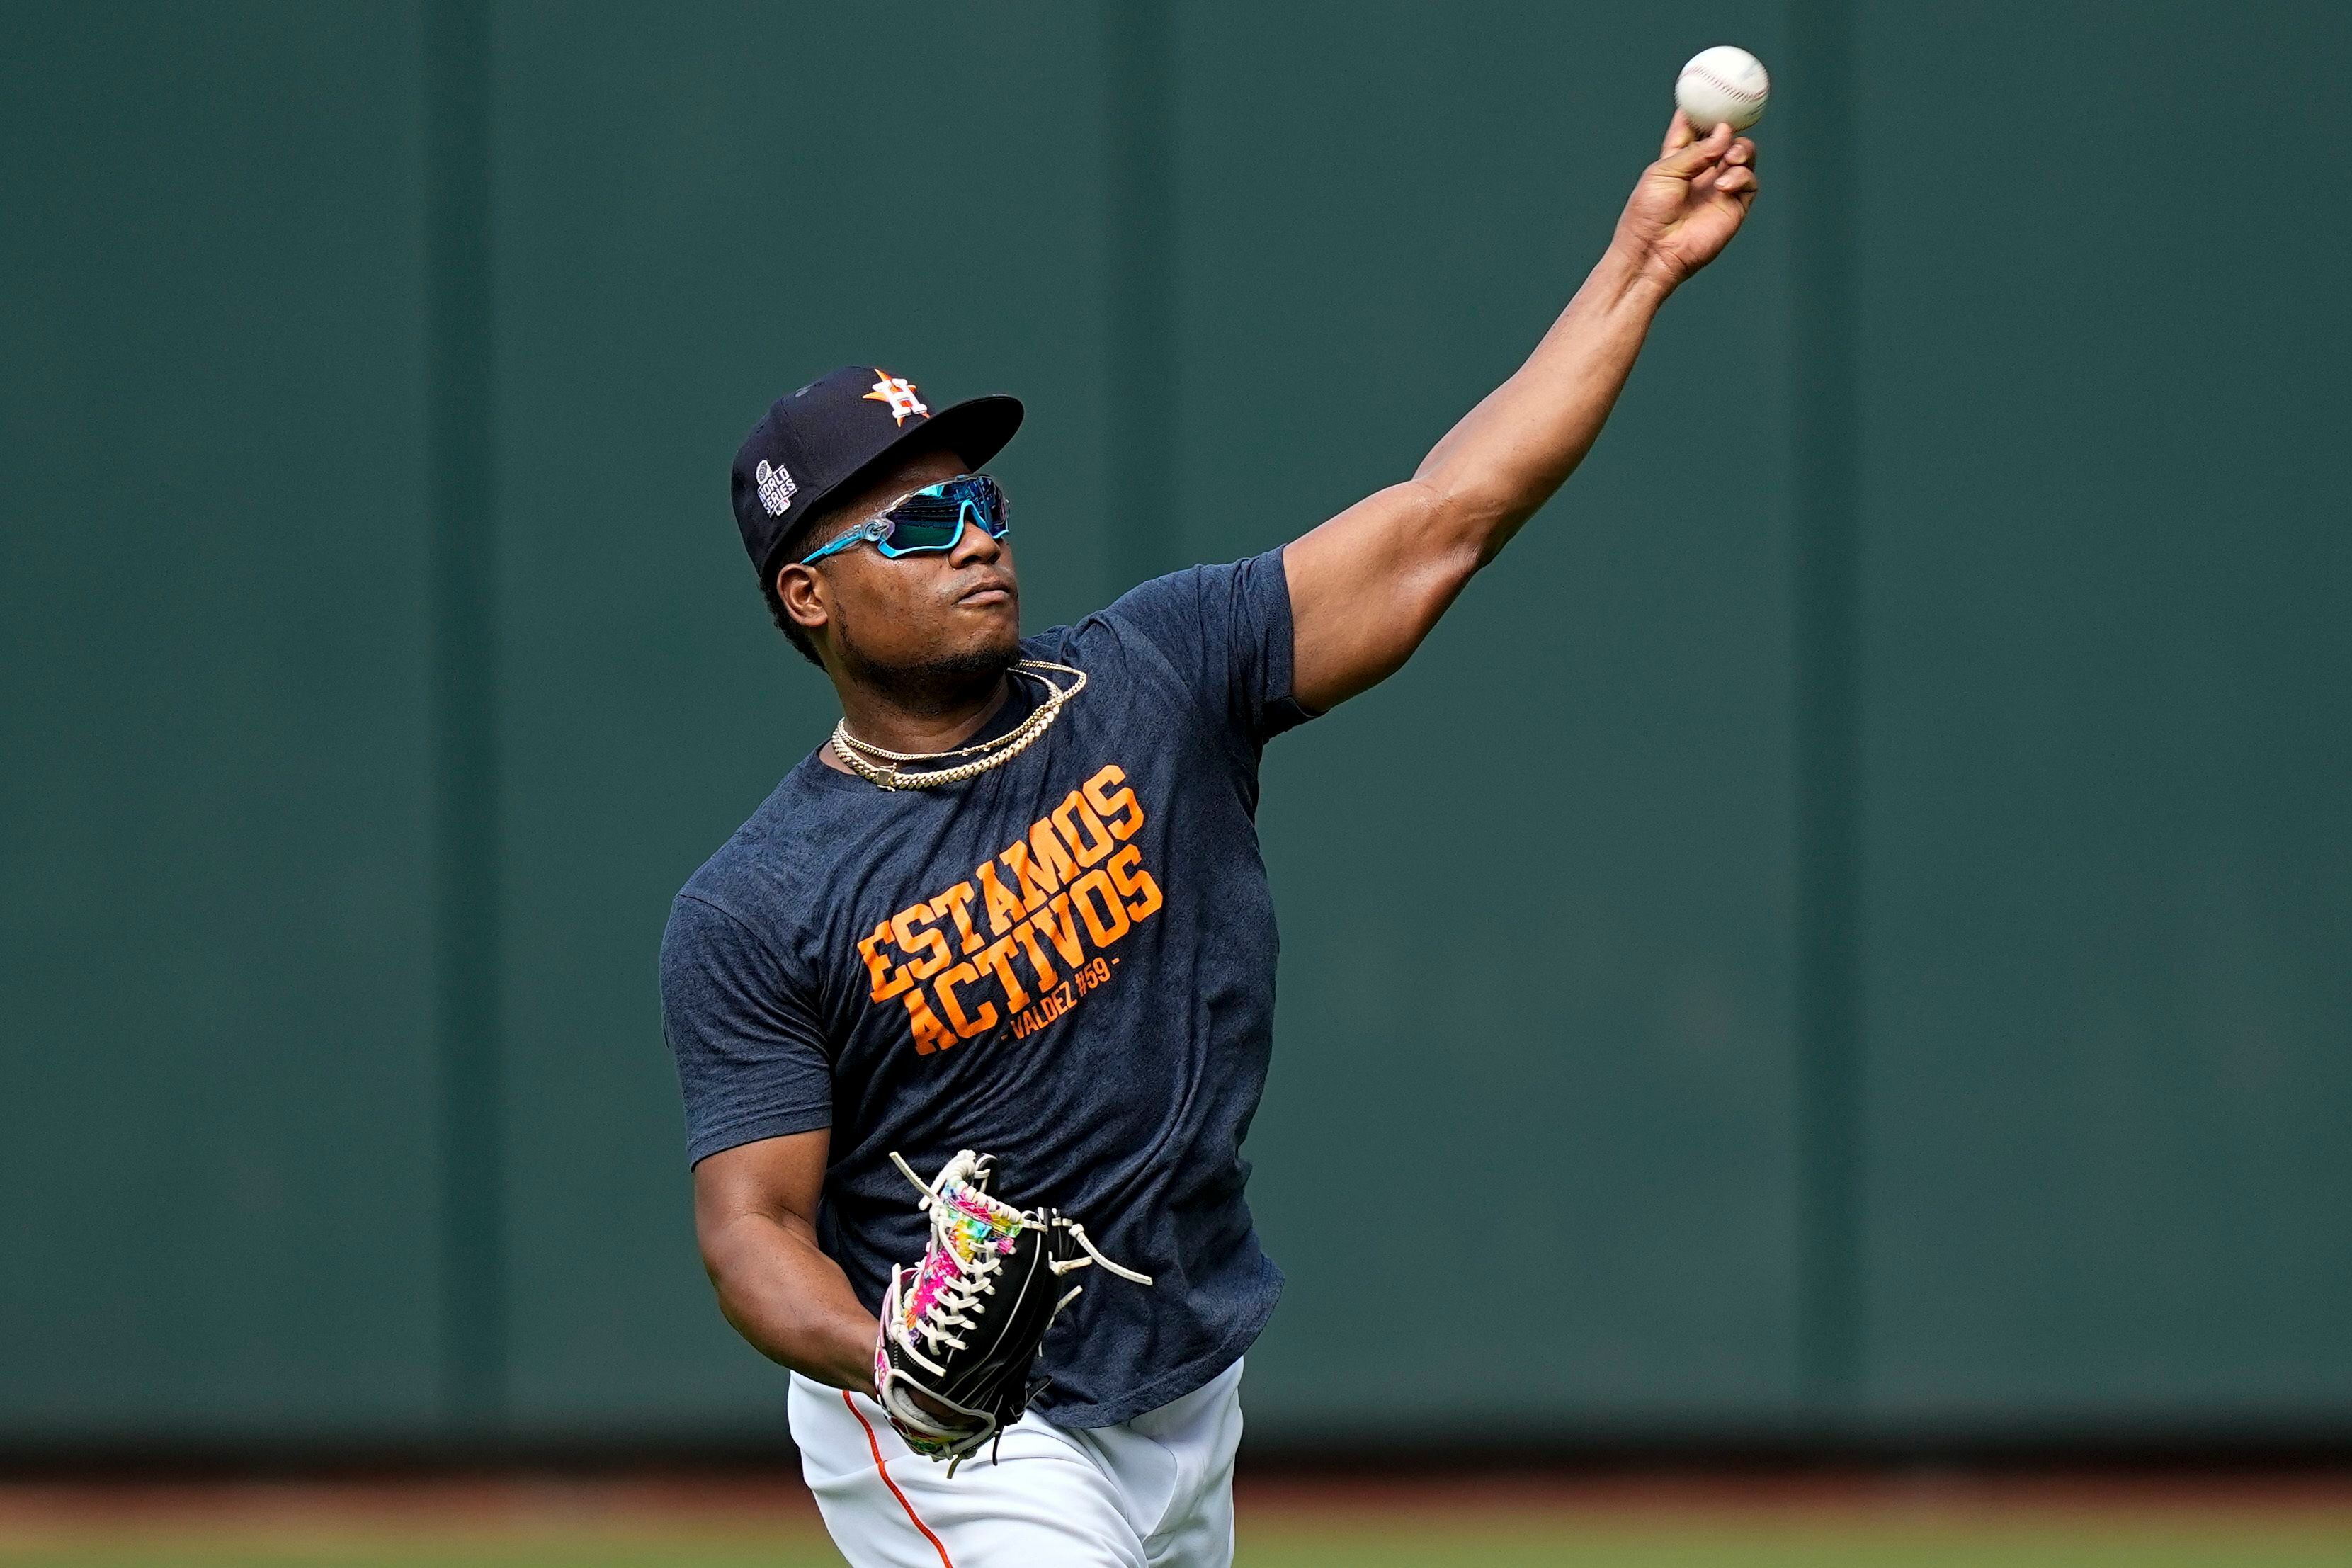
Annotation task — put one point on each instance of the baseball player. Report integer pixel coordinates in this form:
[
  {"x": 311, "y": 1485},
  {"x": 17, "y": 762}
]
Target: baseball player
[{"x": 971, "y": 1017}]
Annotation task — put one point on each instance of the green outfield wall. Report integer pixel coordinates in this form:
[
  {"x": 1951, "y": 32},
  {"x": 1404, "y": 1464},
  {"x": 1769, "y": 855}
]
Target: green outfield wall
[{"x": 1846, "y": 931}]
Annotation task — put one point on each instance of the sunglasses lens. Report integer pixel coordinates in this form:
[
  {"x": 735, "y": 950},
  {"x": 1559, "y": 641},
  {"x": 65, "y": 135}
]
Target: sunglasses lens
[
  {"x": 987, "y": 501},
  {"x": 932, "y": 518},
  {"x": 923, "y": 525}
]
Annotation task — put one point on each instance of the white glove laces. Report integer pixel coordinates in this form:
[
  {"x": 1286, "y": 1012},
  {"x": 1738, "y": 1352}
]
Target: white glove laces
[
  {"x": 958, "y": 1296},
  {"x": 972, "y": 1233},
  {"x": 975, "y": 1268}
]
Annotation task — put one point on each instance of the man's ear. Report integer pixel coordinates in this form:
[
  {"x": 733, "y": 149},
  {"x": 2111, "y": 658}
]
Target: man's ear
[{"x": 798, "y": 590}]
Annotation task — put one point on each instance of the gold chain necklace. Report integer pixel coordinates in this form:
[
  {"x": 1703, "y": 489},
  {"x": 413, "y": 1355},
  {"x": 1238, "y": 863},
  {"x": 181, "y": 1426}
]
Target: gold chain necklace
[{"x": 889, "y": 774}]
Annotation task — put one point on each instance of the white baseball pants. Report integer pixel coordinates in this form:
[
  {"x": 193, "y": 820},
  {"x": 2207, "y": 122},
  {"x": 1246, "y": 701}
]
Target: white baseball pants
[{"x": 1155, "y": 1492}]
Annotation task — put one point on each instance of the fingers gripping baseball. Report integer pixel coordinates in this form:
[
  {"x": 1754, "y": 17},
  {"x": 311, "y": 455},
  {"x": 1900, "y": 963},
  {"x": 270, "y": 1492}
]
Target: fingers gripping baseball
[
  {"x": 1689, "y": 203},
  {"x": 1684, "y": 137}
]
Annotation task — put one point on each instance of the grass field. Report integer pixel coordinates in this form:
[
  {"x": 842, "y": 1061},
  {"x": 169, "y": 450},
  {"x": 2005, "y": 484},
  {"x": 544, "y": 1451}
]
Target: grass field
[
  {"x": 587, "y": 1527},
  {"x": 1440, "y": 1545}
]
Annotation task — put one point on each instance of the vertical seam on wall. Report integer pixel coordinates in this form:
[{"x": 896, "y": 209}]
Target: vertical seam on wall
[
  {"x": 466, "y": 836},
  {"x": 1831, "y": 1313},
  {"x": 1141, "y": 475}
]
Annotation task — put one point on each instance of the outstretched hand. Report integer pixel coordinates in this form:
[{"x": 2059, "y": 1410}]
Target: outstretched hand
[{"x": 1689, "y": 203}]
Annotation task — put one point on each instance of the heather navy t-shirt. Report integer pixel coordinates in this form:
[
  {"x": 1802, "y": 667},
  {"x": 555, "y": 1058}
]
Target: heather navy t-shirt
[{"x": 1066, "y": 962}]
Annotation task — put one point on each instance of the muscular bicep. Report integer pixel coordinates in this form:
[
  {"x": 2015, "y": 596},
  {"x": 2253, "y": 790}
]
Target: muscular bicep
[
  {"x": 775, "y": 1180},
  {"x": 1367, "y": 587},
  {"x": 755, "y": 1215}
]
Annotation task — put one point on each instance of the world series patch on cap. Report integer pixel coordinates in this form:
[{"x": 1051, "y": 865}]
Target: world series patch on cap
[{"x": 835, "y": 435}]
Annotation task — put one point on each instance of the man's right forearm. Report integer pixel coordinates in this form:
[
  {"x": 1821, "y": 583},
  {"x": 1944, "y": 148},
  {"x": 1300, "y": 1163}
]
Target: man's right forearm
[{"x": 790, "y": 1301}]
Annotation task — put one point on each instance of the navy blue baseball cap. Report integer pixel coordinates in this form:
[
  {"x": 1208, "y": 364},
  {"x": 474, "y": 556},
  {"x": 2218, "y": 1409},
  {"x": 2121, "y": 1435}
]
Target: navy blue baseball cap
[{"x": 838, "y": 432}]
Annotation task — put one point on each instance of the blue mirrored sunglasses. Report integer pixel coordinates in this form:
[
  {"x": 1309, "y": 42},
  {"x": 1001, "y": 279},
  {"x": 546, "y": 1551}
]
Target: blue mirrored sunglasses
[{"x": 929, "y": 520}]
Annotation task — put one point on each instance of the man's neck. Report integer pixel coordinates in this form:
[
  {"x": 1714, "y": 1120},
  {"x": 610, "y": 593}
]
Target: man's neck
[{"x": 878, "y": 721}]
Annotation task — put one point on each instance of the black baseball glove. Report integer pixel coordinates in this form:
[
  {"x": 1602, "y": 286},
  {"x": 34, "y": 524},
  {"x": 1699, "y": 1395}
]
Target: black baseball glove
[{"x": 961, "y": 1331}]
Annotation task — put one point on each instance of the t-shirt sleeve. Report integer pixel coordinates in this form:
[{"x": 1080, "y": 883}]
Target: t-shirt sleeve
[
  {"x": 751, "y": 1061},
  {"x": 1226, "y": 630}
]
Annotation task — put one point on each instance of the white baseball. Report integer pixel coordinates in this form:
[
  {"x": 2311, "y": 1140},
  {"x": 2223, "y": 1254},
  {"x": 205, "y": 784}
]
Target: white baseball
[{"x": 1723, "y": 86}]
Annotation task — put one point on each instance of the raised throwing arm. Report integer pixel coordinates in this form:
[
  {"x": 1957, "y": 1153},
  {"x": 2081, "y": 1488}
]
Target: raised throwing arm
[{"x": 1368, "y": 585}]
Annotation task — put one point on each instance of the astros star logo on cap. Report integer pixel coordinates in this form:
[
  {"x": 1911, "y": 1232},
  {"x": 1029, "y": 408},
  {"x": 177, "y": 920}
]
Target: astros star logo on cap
[{"x": 898, "y": 393}]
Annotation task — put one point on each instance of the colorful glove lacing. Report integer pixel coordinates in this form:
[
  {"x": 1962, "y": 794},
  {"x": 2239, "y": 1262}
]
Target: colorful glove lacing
[{"x": 925, "y": 1307}]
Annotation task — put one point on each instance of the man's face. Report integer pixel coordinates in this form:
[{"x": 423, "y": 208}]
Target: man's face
[{"x": 916, "y": 622}]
